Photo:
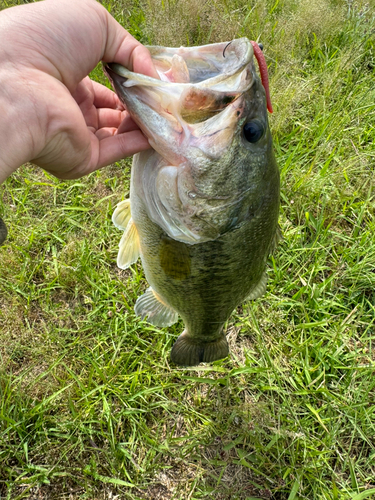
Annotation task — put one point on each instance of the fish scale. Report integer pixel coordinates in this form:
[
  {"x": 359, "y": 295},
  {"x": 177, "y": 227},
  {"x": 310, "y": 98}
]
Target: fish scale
[{"x": 204, "y": 202}]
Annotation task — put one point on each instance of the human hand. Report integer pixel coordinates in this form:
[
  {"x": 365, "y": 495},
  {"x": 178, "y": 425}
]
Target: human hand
[{"x": 54, "y": 115}]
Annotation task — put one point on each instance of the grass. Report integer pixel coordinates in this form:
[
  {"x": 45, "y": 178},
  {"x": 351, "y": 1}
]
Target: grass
[{"x": 90, "y": 407}]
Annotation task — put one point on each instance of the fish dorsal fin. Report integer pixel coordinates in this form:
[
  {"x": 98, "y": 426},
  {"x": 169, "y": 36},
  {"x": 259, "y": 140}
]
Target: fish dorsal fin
[
  {"x": 129, "y": 246},
  {"x": 121, "y": 216},
  {"x": 259, "y": 289},
  {"x": 152, "y": 307}
]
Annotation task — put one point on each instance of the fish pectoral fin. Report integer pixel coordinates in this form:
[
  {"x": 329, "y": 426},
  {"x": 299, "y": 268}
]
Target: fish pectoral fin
[
  {"x": 129, "y": 247},
  {"x": 156, "y": 312},
  {"x": 259, "y": 289},
  {"x": 187, "y": 351},
  {"x": 122, "y": 214}
]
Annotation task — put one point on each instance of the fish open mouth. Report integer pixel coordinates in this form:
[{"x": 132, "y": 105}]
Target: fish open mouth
[
  {"x": 196, "y": 84},
  {"x": 198, "y": 100},
  {"x": 197, "y": 104},
  {"x": 222, "y": 71},
  {"x": 216, "y": 73},
  {"x": 209, "y": 65}
]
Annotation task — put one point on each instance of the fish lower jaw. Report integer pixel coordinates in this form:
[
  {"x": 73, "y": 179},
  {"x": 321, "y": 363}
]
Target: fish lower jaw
[{"x": 190, "y": 351}]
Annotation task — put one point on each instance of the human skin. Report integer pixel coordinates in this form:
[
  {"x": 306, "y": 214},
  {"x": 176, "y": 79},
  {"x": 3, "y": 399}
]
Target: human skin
[{"x": 51, "y": 113}]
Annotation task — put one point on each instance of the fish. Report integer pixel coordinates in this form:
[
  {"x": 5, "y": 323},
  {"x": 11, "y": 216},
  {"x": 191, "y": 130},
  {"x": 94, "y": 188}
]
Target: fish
[
  {"x": 3, "y": 231},
  {"x": 204, "y": 199}
]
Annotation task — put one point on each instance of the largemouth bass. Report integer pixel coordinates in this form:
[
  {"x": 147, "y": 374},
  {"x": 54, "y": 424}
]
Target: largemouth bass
[{"x": 204, "y": 202}]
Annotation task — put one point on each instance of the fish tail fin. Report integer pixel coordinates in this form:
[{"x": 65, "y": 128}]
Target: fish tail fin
[
  {"x": 156, "y": 312},
  {"x": 188, "y": 352}
]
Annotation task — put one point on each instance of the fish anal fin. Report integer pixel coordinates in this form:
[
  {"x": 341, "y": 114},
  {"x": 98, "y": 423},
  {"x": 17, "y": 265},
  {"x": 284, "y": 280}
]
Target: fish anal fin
[
  {"x": 188, "y": 352},
  {"x": 150, "y": 306},
  {"x": 259, "y": 289},
  {"x": 129, "y": 247},
  {"x": 122, "y": 214}
]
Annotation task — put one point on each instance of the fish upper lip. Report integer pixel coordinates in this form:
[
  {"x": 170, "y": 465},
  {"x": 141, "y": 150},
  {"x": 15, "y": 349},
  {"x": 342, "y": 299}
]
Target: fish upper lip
[{"x": 215, "y": 82}]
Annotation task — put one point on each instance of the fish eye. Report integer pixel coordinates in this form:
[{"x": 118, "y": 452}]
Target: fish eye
[{"x": 253, "y": 131}]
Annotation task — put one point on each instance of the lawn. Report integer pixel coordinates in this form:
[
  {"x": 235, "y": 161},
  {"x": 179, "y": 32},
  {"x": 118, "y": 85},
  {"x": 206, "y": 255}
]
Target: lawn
[{"x": 90, "y": 405}]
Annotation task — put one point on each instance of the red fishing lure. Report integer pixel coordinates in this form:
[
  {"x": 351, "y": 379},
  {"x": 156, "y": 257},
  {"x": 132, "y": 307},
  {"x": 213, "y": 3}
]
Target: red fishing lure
[{"x": 263, "y": 73}]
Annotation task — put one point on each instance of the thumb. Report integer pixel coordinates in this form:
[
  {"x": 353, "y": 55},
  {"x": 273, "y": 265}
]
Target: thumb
[{"x": 121, "y": 47}]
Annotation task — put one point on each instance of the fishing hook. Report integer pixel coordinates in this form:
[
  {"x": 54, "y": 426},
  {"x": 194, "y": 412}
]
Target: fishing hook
[{"x": 225, "y": 48}]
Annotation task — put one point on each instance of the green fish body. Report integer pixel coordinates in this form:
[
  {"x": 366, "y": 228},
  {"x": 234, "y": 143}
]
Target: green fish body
[{"x": 204, "y": 201}]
